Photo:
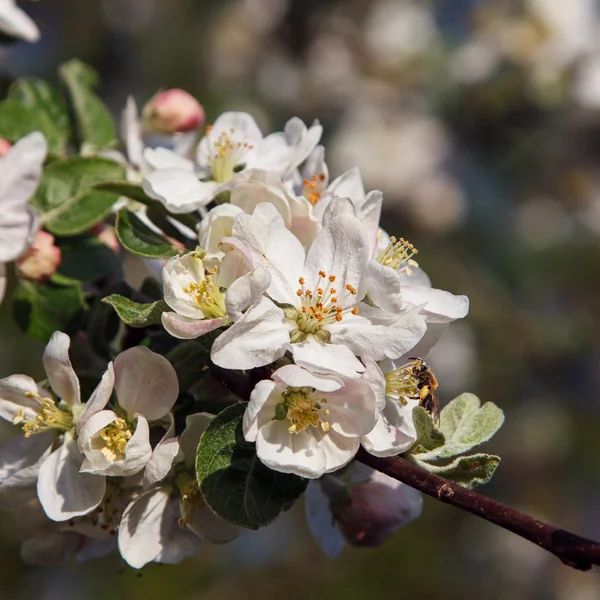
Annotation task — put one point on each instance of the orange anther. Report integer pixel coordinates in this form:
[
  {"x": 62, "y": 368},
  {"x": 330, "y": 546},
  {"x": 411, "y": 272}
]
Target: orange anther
[
  {"x": 351, "y": 289},
  {"x": 338, "y": 317},
  {"x": 332, "y": 278},
  {"x": 322, "y": 274},
  {"x": 301, "y": 280},
  {"x": 355, "y": 310}
]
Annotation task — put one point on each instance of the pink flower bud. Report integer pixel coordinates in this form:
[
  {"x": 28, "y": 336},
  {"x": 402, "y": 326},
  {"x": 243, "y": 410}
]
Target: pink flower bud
[
  {"x": 41, "y": 260},
  {"x": 173, "y": 111},
  {"x": 5, "y": 146},
  {"x": 371, "y": 512},
  {"x": 107, "y": 235}
]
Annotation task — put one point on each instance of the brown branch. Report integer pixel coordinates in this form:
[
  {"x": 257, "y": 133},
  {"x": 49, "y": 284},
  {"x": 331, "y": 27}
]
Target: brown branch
[{"x": 577, "y": 552}]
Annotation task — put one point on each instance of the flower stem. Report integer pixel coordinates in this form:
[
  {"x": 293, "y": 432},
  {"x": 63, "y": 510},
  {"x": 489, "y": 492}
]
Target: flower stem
[{"x": 573, "y": 550}]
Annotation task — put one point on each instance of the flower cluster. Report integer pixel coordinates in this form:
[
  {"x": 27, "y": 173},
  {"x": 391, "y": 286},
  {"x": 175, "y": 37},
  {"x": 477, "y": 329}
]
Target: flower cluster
[{"x": 278, "y": 282}]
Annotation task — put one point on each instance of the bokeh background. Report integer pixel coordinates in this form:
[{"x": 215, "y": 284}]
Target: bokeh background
[{"x": 480, "y": 122}]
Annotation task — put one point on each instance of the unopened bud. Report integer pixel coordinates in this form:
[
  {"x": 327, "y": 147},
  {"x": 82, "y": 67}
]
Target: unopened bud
[
  {"x": 173, "y": 111},
  {"x": 371, "y": 512},
  {"x": 40, "y": 262},
  {"x": 107, "y": 235},
  {"x": 5, "y": 146}
]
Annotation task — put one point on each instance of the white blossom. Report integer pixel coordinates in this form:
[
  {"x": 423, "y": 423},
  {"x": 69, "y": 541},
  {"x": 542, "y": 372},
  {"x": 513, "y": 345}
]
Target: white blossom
[{"x": 16, "y": 23}]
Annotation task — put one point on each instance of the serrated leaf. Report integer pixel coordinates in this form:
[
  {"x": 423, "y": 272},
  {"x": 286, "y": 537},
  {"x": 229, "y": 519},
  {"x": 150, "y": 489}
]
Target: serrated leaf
[
  {"x": 44, "y": 99},
  {"x": 466, "y": 425},
  {"x": 429, "y": 437},
  {"x": 66, "y": 200},
  {"x": 95, "y": 124},
  {"x": 135, "y": 314},
  {"x": 140, "y": 239},
  {"x": 235, "y": 484},
  {"x": 42, "y": 309},
  {"x": 468, "y": 471},
  {"x": 85, "y": 258}
]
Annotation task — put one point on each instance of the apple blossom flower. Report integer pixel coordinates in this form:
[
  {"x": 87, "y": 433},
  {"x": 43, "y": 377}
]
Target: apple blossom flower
[
  {"x": 167, "y": 522},
  {"x": 5, "y": 146},
  {"x": 41, "y": 260},
  {"x": 173, "y": 111},
  {"x": 323, "y": 323},
  {"x": 16, "y": 23},
  {"x": 359, "y": 506},
  {"x": 232, "y": 144},
  {"x": 308, "y": 424},
  {"x": 20, "y": 174},
  {"x": 196, "y": 294},
  {"x": 117, "y": 442}
]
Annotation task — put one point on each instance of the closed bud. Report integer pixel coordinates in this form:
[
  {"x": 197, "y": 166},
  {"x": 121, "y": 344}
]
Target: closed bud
[
  {"x": 5, "y": 146},
  {"x": 173, "y": 111},
  {"x": 40, "y": 262},
  {"x": 368, "y": 513}
]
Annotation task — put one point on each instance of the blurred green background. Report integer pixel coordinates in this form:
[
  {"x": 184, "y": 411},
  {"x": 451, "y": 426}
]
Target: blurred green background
[{"x": 480, "y": 122}]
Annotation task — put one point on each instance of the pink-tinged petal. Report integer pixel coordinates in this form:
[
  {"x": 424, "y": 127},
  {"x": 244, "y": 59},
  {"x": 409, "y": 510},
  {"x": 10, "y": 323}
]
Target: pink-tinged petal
[
  {"x": 383, "y": 287},
  {"x": 162, "y": 458},
  {"x": 248, "y": 196},
  {"x": 394, "y": 431},
  {"x": 274, "y": 247},
  {"x": 184, "y": 328},
  {"x": 257, "y": 339},
  {"x": 16, "y": 394},
  {"x": 337, "y": 449},
  {"x": 353, "y": 409},
  {"x": 417, "y": 275},
  {"x": 19, "y": 453},
  {"x": 99, "y": 398},
  {"x": 180, "y": 191},
  {"x": 2, "y": 281},
  {"x": 181, "y": 543},
  {"x": 60, "y": 372},
  {"x": 287, "y": 452},
  {"x": 321, "y": 522},
  {"x": 145, "y": 383},
  {"x": 340, "y": 249},
  {"x": 63, "y": 491},
  {"x": 265, "y": 396},
  {"x": 144, "y": 529},
  {"x": 246, "y": 291},
  {"x": 331, "y": 359},
  {"x": 195, "y": 426},
  {"x": 236, "y": 262},
  {"x": 378, "y": 334},
  {"x": 439, "y": 306},
  {"x": 295, "y": 376}
]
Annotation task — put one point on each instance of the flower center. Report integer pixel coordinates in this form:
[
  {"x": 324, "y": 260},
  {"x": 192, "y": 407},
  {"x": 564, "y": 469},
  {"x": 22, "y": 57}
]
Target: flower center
[
  {"x": 225, "y": 154},
  {"x": 398, "y": 255},
  {"x": 402, "y": 383},
  {"x": 113, "y": 439},
  {"x": 313, "y": 188},
  {"x": 191, "y": 497},
  {"x": 301, "y": 410},
  {"x": 207, "y": 296},
  {"x": 49, "y": 417},
  {"x": 319, "y": 308}
]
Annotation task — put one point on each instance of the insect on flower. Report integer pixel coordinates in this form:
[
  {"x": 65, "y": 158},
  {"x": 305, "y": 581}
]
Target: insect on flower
[{"x": 427, "y": 385}]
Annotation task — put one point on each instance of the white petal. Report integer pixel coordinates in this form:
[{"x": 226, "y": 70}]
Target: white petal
[
  {"x": 195, "y": 426},
  {"x": 249, "y": 195},
  {"x": 185, "y": 328},
  {"x": 19, "y": 453},
  {"x": 216, "y": 225},
  {"x": 237, "y": 261},
  {"x": 383, "y": 287},
  {"x": 177, "y": 275},
  {"x": 378, "y": 334},
  {"x": 162, "y": 457},
  {"x": 63, "y": 491},
  {"x": 428, "y": 341},
  {"x": 16, "y": 23},
  {"x": 142, "y": 534},
  {"x": 337, "y": 449},
  {"x": 288, "y": 452},
  {"x": 100, "y": 396},
  {"x": 257, "y": 339},
  {"x": 181, "y": 543},
  {"x": 440, "y": 306},
  {"x": 321, "y": 522},
  {"x": 95, "y": 460},
  {"x": 376, "y": 379},
  {"x": 180, "y": 191},
  {"x": 131, "y": 133},
  {"x": 332, "y": 359},
  {"x": 349, "y": 185},
  {"x": 14, "y": 397},
  {"x": 274, "y": 247},
  {"x": 145, "y": 383},
  {"x": 60, "y": 372},
  {"x": 246, "y": 291},
  {"x": 261, "y": 409},
  {"x": 163, "y": 158},
  {"x": 370, "y": 214},
  {"x": 137, "y": 452},
  {"x": 340, "y": 249},
  {"x": 295, "y": 376},
  {"x": 394, "y": 431}
]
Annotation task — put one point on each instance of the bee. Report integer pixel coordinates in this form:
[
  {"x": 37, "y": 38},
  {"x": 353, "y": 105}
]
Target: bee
[{"x": 427, "y": 385}]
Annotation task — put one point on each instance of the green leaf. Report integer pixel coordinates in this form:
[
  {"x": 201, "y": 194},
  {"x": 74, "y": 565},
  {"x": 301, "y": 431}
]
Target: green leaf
[
  {"x": 468, "y": 471},
  {"x": 50, "y": 109},
  {"x": 95, "y": 124},
  {"x": 191, "y": 361},
  {"x": 429, "y": 437},
  {"x": 135, "y": 314},
  {"x": 85, "y": 258},
  {"x": 234, "y": 483},
  {"x": 42, "y": 309},
  {"x": 133, "y": 191},
  {"x": 66, "y": 200},
  {"x": 466, "y": 426},
  {"x": 140, "y": 239}
]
